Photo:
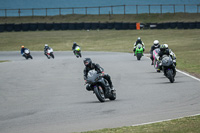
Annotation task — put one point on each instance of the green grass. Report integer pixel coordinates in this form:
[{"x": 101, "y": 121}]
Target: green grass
[
  {"x": 183, "y": 125},
  {"x": 185, "y": 43},
  {"x": 143, "y": 18},
  {"x": 3, "y": 61}
]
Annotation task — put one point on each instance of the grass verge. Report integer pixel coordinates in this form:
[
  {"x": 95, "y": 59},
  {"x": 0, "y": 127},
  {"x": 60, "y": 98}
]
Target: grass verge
[
  {"x": 142, "y": 18},
  {"x": 185, "y": 43},
  {"x": 3, "y": 61},
  {"x": 183, "y": 125}
]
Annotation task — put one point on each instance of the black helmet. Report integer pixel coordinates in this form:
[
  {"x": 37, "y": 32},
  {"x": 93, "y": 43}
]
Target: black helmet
[
  {"x": 87, "y": 62},
  {"x": 138, "y": 39},
  {"x": 163, "y": 47}
]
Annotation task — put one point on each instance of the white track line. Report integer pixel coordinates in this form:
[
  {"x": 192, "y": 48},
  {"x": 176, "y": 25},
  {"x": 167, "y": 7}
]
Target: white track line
[
  {"x": 188, "y": 74},
  {"x": 173, "y": 118},
  {"x": 163, "y": 120}
]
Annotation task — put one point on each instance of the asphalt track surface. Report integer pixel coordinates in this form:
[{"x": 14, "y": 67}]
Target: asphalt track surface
[{"x": 48, "y": 95}]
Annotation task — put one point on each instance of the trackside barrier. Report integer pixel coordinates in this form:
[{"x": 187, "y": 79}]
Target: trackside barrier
[
  {"x": 125, "y": 26},
  {"x": 64, "y": 26},
  {"x": 41, "y": 26},
  {"x": 9, "y": 27},
  {"x": 17, "y": 27},
  {"x": 87, "y": 26},
  {"x": 79, "y": 26},
  {"x": 97, "y": 25},
  {"x": 26, "y": 27},
  {"x": 198, "y": 25},
  {"x": 33, "y": 27},
  {"x": 57, "y": 26},
  {"x": 2, "y": 27}
]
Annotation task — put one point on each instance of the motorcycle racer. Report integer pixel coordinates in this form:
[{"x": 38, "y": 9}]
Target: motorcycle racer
[
  {"x": 139, "y": 41},
  {"x": 90, "y": 66},
  {"x": 155, "y": 46},
  {"x": 164, "y": 50}
]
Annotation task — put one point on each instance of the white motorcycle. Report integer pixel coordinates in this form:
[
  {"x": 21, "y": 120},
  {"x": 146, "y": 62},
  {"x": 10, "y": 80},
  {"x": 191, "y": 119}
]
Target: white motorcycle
[
  {"x": 27, "y": 54},
  {"x": 49, "y": 53}
]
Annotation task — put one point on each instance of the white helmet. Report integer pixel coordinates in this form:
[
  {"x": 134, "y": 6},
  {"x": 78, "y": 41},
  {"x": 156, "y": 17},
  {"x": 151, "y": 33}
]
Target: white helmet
[
  {"x": 46, "y": 45},
  {"x": 156, "y": 43}
]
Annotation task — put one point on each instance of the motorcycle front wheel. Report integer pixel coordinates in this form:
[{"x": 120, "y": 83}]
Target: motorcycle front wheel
[
  {"x": 113, "y": 97},
  {"x": 170, "y": 75},
  {"x": 52, "y": 55},
  {"x": 30, "y": 56},
  {"x": 99, "y": 93},
  {"x": 139, "y": 55}
]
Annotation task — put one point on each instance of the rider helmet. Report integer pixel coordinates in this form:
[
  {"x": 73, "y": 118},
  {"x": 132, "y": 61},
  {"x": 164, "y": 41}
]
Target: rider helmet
[
  {"x": 22, "y": 46},
  {"x": 46, "y": 45},
  {"x": 87, "y": 62},
  {"x": 139, "y": 39},
  {"x": 74, "y": 42},
  {"x": 156, "y": 43},
  {"x": 166, "y": 46},
  {"x": 163, "y": 47}
]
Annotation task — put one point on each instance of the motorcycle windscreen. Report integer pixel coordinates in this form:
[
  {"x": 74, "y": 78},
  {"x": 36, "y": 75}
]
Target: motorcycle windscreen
[
  {"x": 92, "y": 76},
  {"x": 167, "y": 61}
]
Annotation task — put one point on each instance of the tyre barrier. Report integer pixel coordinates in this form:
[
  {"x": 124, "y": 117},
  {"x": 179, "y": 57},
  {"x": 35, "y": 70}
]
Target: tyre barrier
[
  {"x": 79, "y": 26},
  {"x": 2, "y": 27},
  {"x": 96, "y": 25},
  {"x": 166, "y": 25},
  {"x": 160, "y": 26},
  {"x": 41, "y": 26},
  {"x": 173, "y": 25},
  {"x": 17, "y": 27},
  {"x": 25, "y": 27},
  {"x": 87, "y": 26},
  {"x": 72, "y": 26},
  {"x": 9, "y": 27},
  {"x": 110, "y": 26},
  {"x": 180, "y": 25},
  {"x": 56, "y": 26},
  {"x": 192, "y": 25},
  {"x": 185, "y": 25},
  {"x": 132, "y": 26},
  {"x": 48, "y": 26},
  {"x": 125, "y": 26},
  {"x": 102, "y": 26},
  {"x": 198, "y": 25},
  {"x": 64, "y": 26},
  {"x": 33, "y": 27},
  {"x": 118, "y": 26}
]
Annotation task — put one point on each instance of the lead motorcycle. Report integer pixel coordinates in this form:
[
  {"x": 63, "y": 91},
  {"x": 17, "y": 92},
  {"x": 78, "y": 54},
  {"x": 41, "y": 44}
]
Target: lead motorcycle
[
  {"x": 139, "y": 51},
  {"x": 100, "y": 86},
  {"x": 168, "y": 67},
  {"x": 49, "y": 53},
  {"x": 27, "y": 54}
]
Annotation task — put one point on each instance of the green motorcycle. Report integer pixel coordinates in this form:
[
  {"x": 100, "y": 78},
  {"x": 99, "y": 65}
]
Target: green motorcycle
[{"x": 139, "y": 51}]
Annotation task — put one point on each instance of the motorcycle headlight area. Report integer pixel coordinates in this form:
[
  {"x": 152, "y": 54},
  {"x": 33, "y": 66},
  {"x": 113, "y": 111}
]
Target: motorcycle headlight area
[{"x": 97, "y": 79}]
